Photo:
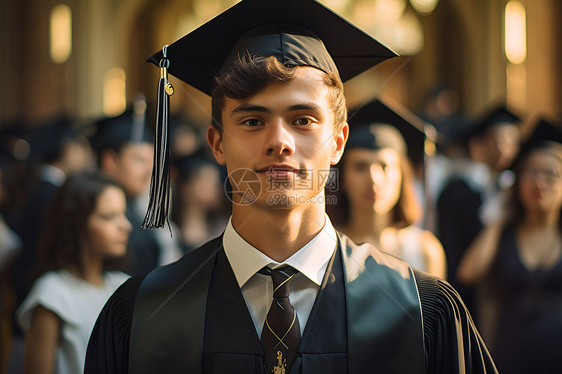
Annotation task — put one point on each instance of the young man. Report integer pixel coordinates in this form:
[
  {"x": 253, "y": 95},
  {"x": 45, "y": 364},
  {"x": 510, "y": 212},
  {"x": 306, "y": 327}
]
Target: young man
[{"x": 281, "y": 291}]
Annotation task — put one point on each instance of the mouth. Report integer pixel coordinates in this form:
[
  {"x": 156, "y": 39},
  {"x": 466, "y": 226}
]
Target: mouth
[
  {"x": 371, "y": 195},
  {"x": 279, "y": 171}
]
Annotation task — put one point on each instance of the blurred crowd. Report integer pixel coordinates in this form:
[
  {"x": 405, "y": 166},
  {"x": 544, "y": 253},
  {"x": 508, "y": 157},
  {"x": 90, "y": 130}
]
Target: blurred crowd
[{"x": 470, "y": 198}]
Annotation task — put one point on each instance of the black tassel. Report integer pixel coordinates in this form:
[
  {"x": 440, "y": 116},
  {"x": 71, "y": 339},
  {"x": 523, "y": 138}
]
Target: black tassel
[{"x": 158, "y": 206}]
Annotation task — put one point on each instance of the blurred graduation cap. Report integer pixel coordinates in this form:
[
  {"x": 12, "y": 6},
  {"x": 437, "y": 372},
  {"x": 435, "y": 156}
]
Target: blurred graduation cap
[
  {"x": 14, "y": 142},
  {"x": 185, "y": 166},
  {"x": 545, "y": 132},
  {"x": 295, "y": 32},
  {"x": 379, "y": 124},
  {"x": 48, "y": 139},
  {"x": 130, "y": 127},
  {"x": 498, "y": 115}
]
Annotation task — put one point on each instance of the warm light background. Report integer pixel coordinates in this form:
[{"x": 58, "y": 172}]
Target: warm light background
[{"x": 86, "y": 57}]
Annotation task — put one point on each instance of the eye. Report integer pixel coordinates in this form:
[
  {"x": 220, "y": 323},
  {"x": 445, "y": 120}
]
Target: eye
[
  {"x": 302, "y": 121},
  {"x": 360, "y": 167},
  {"x": 107, "y": 216},
  {"x": 253, "y": 122}
]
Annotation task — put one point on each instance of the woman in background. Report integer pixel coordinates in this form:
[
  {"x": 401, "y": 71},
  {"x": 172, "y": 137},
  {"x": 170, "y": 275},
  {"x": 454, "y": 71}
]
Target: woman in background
[
  {"x": 85, "y": 227},
  {"x": 199, "y": 200},
  {"x": 521, "y": 258},
  {"x": 377, "y": 202}
]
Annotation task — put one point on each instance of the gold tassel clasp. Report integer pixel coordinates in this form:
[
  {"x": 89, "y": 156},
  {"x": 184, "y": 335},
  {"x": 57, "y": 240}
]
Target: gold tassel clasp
[{"x": 164, "y": 65}]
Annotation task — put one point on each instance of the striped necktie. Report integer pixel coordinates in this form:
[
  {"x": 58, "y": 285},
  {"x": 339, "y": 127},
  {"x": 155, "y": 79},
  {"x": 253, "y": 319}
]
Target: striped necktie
[{"x": 281, "y": 331}]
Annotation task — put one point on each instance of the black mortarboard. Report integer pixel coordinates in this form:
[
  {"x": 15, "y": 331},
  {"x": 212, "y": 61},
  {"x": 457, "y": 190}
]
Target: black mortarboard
[
  {"x": 496, "y": 116},
  {"x": 380, "y": 124},
  {"x": 48, "y": 139},
  {"x": 185, "y": 166},
  {"x": 544, "y": 132},
  {"x": 115, "y": 132},
  {"x": 296, "y": 32}
]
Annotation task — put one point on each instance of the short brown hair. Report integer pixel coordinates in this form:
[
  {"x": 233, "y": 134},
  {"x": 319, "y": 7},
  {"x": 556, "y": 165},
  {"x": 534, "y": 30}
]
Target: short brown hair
[{"x": 248, "y": 74}]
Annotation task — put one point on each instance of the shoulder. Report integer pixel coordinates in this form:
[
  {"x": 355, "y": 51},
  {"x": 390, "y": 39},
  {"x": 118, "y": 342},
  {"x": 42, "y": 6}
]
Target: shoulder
[
  {"x": 452, "y": 342},
  {"x": 108, "y": 348},
  {"x": 115, "y": 278},
  {"x": 430, "y": 244},
  {"x": 437, "y": 297},
  {"x": 366, "y": 253},
  {"x": 50, "y": 291},
  {"x": 52, "y": 284}
]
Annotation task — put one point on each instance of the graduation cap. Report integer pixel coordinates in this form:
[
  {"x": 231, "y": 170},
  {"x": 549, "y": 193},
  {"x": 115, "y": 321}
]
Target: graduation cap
[
  {"x": 115, "y": 132},
  {"x": 379, "y": 124},
  {"x": 545, "y": 133},
  {"x": 295, "y": 32},
  {"x": 496, "y": 116},
  {"x": 187, "y": 165},
  {"x": 48, "y": 139}
]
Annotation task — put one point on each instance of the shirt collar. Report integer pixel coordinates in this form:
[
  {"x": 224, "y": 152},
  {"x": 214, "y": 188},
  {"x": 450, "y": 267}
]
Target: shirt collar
[{"x": 311, "y": 260}]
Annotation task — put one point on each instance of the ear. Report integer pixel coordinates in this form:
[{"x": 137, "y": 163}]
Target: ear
[
  {"x": 340, "y": 138},
  {"x": 214, "y": 138}
]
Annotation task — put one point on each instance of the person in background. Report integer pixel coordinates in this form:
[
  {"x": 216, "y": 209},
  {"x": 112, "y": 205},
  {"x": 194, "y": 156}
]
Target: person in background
[
  {"x": 85, "y": 227},
  {"x": 10, "y": 247},
  {"x": 376, "y": 202},
  {"x": 58, "y": 149},
  {"x": 520, "y": 259},
  {"x": 125, "y": 152},
  {"x": 471, "y": 196},
  {"x": 199, "y": 200}
]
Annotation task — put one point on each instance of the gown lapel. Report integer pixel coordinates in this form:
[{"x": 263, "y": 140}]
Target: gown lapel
[
  {"x": 323, "y": 347},
  {"x": 231, "y": 343}
]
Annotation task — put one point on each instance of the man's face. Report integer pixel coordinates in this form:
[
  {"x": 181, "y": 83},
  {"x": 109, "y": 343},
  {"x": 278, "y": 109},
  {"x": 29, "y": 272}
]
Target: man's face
[
  {"x": 502, "y": 142},
  {"x": 132, "y": 167},
  {"x": 284, "y": 137}
]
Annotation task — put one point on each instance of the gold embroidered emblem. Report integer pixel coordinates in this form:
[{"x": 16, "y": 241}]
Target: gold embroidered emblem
[{"x": 281, "y": 364}]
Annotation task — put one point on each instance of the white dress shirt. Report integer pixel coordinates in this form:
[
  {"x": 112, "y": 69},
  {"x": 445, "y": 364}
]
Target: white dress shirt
[{"x": 311, "y": 261}]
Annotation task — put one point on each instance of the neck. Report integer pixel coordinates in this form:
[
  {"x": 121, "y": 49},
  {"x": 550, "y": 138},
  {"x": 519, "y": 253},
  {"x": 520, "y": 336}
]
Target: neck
[
  {"x": 542, "y": 219},
  {"x": 278, "y": 233},
  {"x": 366, "y": 225},
  {"x": 193, "y": 213},
  {"x": 93, "y": 270}
]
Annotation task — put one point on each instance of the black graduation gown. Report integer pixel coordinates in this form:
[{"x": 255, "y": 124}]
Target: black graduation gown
[
  {"x": 142, "y": 249},
  {"x": 458, "y": 223},
  {"x": 336, "y": 338}
]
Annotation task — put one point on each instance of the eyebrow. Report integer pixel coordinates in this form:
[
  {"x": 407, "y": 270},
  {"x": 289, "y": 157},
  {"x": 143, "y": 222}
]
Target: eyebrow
[
  {"x": 250, "y": 108},
  {"x": 243, "y": 108},
  {"x": 304, "y": 107}
]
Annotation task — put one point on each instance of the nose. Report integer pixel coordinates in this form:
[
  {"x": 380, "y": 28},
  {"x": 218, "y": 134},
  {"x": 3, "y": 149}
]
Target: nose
[
  {"x": 126, "y": 224},
  {"x": 376, "y": 174},
  {"x": 279, "y": 140}
]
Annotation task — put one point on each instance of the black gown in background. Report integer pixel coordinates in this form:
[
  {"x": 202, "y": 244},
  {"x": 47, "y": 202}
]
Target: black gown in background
[
  {"x": 529, "y": 327},
  {"x": 452, "y": 344},
  {"x": 458, "y": 223}
]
